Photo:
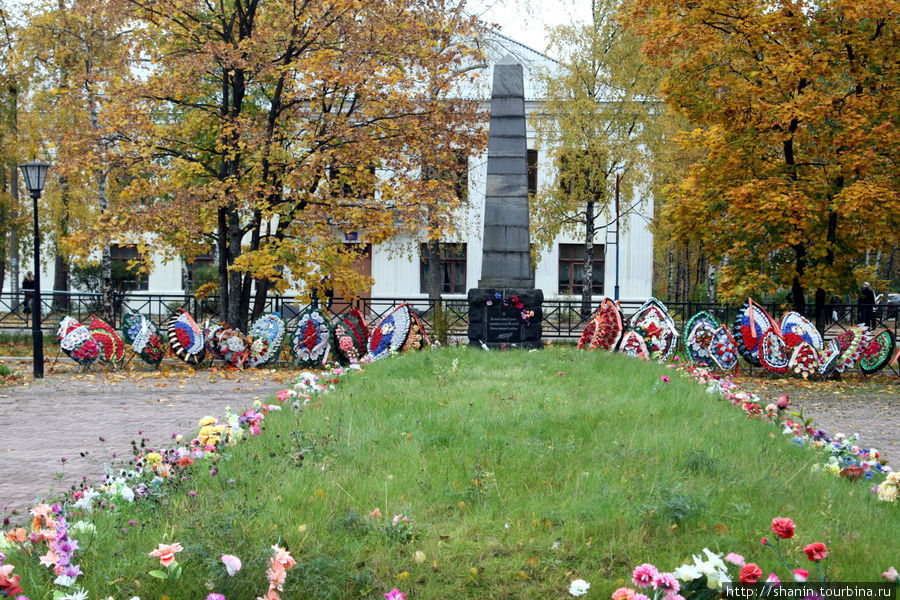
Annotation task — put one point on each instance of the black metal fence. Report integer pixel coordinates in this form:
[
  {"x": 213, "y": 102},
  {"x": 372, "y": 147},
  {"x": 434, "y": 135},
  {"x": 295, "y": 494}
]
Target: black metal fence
[{"x": 562, "y": 319}]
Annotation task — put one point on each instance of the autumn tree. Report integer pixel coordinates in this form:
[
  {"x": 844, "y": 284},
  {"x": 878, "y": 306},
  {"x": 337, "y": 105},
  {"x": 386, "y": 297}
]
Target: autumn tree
[
  {"x": 75, "y": 49},
  {"x": 600, "y": 122},
  {"x": 270, "y": 129},
  {"x": 797, "y": 107}
]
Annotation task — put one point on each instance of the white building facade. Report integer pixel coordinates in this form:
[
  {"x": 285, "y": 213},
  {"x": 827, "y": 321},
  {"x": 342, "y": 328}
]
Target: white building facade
[{"x": 397, "y": 268}]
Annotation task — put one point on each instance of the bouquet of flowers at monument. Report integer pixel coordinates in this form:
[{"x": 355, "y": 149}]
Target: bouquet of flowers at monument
[
  {"x": 77, "y": 342},
  {"x": 266, "y": 333},
  {"x": 351, "y": 336},
  {"x": 112, "y": 348},
  {"x": 185, "y": 338},
  {"x": 773, "y": 351},
  {"x": 311, "y": 343},
  {"x": 633, "y": 344},
  {"x": 140, "y": 332}
]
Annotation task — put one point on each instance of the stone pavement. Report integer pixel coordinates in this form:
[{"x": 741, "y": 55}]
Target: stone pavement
[{"x": 91, "y": 419}]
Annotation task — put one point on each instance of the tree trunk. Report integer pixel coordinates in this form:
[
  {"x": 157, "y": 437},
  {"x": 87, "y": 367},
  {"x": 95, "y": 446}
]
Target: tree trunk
[
  {"x": 710, "y": 282},
  {"x": 233, "y": 314},
  {"x": 61, "y": 264},
  {"x": 587, "y": 279},
  {"x": 14, "y": 273},
  {"x": 434, "y": 285},
  {"x": 221, "y": 256},
  {"x": 671, "y": 291}
]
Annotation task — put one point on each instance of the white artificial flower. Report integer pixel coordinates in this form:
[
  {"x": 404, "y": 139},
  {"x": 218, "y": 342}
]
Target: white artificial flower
[
  {"x": 78, "y": 594},
  {"x": 687, "y": 573},
  {"x": 579, "y": 587}
]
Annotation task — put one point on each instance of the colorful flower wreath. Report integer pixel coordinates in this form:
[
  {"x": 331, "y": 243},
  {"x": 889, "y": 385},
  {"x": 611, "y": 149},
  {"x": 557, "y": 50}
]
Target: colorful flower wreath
[
  {"x": 351, "y": 336},
  {"x": 185, "y": 338},
  {"x": 76, "y": 341},
  {"x": 112, "y": 348},
  {"x": 140, "y": 332},
  {"x": 267, "y": 333},
  {"x": 311, "y": 343}
]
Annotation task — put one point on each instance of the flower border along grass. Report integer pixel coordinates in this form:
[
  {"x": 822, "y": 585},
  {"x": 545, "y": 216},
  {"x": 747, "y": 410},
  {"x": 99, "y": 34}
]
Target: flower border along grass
[{"x": 498, "y": 474}]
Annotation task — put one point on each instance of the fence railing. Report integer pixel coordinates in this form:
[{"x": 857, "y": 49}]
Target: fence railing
[{"x": 562, "y": 319}]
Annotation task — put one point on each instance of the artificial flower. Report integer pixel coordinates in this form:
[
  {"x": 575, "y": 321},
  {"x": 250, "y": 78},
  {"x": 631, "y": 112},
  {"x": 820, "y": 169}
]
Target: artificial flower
[
  {"x": 166, "y": 553},
  {"x": 735, "y": 559},
  {"x": 232, "y": 564},
  {"x": 750, "y": 573},
  {"x": 579, "y": 587},
  {"x": 623, "y": 593},
  {"x": 644, "y": 575},
  {"x": 891, "y": 575},
  {"x": 816, "y": 551},
  {"x": 783, "y": 527},
  {"x": 800, "y": 575},
  {"x": 395, "y": 594}
]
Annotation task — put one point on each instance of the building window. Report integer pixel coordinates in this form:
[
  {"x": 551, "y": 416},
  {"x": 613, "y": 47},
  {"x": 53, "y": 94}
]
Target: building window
[
  {"x": 571, "y": 269},
  {"x": 453, "y": 269},
  {"x": 202, "y": 270},
  {"x": 532, "y": 160},
  {"x": 127, "y": 278}
]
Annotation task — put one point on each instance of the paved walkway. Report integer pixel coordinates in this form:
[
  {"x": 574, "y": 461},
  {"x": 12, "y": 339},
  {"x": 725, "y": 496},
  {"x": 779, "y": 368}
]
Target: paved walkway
[{"x": 91, "y": 419}]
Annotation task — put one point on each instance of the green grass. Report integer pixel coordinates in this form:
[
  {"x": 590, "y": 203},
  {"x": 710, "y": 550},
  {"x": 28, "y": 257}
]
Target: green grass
[{"x": 520, "y": 471}]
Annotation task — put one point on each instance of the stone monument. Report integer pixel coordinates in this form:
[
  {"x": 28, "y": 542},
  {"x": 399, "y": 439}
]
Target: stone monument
[{"x": 505, "y": 309}]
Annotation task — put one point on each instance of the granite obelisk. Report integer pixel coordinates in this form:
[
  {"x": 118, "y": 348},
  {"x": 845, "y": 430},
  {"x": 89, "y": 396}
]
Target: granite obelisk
[{"x": 505, "y": 309}]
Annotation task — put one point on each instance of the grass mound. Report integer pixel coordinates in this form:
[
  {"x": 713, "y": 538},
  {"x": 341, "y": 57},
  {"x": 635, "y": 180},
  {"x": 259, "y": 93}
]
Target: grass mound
[{"x": 494, "y": 475}]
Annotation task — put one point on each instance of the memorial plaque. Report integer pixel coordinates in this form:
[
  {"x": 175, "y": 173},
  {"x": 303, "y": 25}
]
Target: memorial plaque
[{"x": 502, "y": 324}]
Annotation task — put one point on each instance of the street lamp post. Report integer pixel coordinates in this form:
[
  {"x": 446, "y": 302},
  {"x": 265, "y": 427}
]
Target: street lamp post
[
  {"x": 35, "y": 174},
  {"x": 616, "y": 288}
]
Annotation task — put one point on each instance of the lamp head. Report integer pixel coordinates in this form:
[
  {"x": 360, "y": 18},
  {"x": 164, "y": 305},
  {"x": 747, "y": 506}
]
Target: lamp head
[{"x": 35, "y": 174}]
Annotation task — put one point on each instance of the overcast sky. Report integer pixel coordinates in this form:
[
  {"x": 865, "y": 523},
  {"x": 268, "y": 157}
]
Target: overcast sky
[{"x": 525, "y": 20}]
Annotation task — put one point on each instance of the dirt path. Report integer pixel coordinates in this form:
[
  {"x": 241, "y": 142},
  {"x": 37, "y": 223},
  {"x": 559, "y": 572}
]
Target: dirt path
[
  {"x": 91, "y": 419},
  {"x": 855, "y": 404}
]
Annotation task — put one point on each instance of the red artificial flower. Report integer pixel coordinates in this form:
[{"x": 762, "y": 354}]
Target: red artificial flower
[
  {"x": 764, "y": 542},
  {"x": 783, "y": 527},
  {"x": 816, "y": 552},
  {"x": 853, "y": 472},
  {"x": 750, "y": 573}
]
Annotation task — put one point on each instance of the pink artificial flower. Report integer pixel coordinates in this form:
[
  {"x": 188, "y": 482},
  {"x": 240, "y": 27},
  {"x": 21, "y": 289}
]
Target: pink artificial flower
[
  {"x": 640, "y": 597},
  {"x": 375, "y": 514},
  {"x": 664, "y": 379},
  {"x": 395, "y": 594},
  {"x": 891, "y": 575},
  {"x": 666, "y": 582},
  {"x": 623, "y": 593},
  {"x": 283, "y": 557},
  {"x": 783, "y": 401},
  {"x": 772, "y": 578},
  {"x": 800, "y": 575},
  {"x": 232, "y": 564},
  {"x": 735, "y": 559},
  {"x": 166, "y": 553},
  {"x": 816, "y": 551},
  {"x": 644, "y": 575}
]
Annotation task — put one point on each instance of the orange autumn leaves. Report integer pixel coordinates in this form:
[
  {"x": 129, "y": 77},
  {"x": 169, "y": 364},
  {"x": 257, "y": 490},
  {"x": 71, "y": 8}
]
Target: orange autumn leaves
[{"x": 795, "y": 107}]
